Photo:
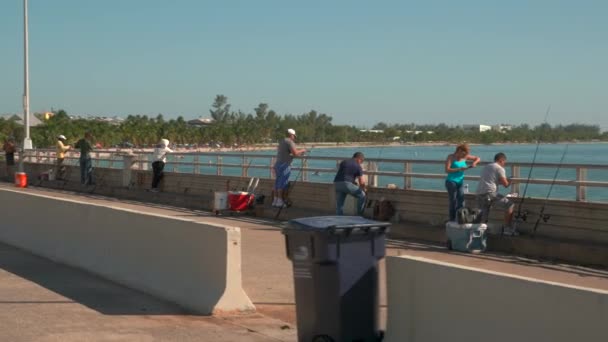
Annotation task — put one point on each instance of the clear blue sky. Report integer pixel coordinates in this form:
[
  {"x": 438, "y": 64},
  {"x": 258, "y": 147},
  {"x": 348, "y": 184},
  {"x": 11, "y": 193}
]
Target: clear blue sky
[{"x": 359, "y": 61}]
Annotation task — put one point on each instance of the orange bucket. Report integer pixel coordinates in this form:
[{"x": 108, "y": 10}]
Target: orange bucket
[{"x": 20, "y": 179}]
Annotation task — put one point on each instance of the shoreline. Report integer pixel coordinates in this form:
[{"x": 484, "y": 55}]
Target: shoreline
[{"x": 309, "y": 146}]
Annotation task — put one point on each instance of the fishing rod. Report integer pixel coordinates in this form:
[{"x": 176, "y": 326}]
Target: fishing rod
[
  {"x": 541, "y": 213},
  {"x": 290, "y": 185},
  {"x": 245, "y": 171},
  {"x": 524, "y": 215}
]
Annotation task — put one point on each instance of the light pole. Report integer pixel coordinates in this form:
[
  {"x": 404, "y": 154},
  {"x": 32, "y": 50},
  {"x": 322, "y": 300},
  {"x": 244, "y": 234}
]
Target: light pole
[{"x": 27, "y": 142}]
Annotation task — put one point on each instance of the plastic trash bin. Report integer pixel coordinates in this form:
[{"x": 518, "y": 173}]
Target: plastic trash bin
[{"x": 335, "y": 270}]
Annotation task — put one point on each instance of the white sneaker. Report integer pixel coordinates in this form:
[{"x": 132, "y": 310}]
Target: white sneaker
[
  {"x": 274, "y": 202},
  {"x": 279, "y": 203}
]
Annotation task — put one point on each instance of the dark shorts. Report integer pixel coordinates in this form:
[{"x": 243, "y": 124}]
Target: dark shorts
[{"x": 10, "y": 159}]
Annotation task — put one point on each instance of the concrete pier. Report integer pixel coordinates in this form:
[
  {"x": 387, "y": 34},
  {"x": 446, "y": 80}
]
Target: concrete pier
[{"x": 266, "y": 276}]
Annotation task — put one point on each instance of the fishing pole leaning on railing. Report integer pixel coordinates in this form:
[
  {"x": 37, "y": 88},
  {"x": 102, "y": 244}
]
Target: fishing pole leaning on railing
[
  {"x": 523, "y": 215},
  {"x": 541, "y": 214}
]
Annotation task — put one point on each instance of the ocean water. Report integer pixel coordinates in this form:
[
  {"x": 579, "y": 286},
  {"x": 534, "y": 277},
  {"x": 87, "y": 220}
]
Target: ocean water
[{"x": 547, "y": 153}]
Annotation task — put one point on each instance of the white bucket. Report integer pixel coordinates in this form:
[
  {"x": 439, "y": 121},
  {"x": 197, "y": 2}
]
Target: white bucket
[{"x": 220, "y": 200}]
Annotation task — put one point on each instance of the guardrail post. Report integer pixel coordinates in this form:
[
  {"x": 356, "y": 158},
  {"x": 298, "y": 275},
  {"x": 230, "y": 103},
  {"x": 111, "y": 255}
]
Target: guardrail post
[
  {"x": 304, "y": 170},
  {"x": 373, "y": 177},
  {"x": 407, "y": 180},
  {"x": 197, "y": 166},
  {"x": 271, "y": 167},
  {"x": 581, "y": 190},
  {"x": 244, "y": 166},
  {"x": 219, "y": 165},
  {"x": 127, "y": 162},
  {"x": 515, "y": 173}
]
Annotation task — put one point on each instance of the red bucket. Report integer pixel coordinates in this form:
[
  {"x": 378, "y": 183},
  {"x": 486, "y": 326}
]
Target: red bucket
[
  {"x": 20, "y": 179},
  {"x": 239, "y": 200}
]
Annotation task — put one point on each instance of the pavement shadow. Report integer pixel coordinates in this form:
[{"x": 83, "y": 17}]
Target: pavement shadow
[{"x": 81, "y": 287}]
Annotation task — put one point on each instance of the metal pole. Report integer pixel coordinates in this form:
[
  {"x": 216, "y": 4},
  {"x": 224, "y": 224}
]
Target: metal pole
[{"x": 27, "y": 142}]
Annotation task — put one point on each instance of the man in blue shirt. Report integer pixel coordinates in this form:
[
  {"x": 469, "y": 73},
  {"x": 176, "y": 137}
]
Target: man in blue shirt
[{"x": 350, "y": 171}]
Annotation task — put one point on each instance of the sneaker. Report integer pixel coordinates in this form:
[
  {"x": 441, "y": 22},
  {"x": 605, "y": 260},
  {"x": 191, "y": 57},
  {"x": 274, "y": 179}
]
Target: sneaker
[
  {"x": 274, "y": 202},
  {"x": 279, "y": 203},
  {"x": 509, "y": 231},
  {"x": 154, "y": 190}
]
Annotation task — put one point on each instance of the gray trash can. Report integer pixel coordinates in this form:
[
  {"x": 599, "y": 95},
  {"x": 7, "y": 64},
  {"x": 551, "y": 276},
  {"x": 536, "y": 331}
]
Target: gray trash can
[{"x": 335, "y": 270}]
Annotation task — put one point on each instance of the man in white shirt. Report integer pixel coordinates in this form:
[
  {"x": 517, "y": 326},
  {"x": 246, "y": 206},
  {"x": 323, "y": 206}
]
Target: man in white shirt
[
  {"x": 492, "y": 176},
  {"x": 159, "y": 158},
  {"x": 286, "y": 150}
]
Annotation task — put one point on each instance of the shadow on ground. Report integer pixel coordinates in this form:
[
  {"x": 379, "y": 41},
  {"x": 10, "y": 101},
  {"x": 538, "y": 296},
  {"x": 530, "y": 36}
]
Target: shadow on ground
[{"x": 78, "y": 286}]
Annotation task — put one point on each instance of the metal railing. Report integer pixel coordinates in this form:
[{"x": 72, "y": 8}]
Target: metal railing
[{"x": 241, "y": 164}]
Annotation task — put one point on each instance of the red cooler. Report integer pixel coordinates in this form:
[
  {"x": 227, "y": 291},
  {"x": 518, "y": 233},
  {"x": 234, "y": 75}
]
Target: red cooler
[
  {"x": 239, "y": 200},
  {"x": 20, "y": 179}
]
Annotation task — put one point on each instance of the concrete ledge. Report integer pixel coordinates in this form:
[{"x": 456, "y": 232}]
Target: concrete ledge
[
  {"x": 436, "y": 301},
  {"x": 195, "y": 265},
  {"x": 577, "y": 252}
]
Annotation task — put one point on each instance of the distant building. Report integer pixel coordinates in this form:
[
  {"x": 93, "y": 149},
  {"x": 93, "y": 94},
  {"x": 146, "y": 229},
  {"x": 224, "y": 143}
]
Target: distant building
[
  {"x": 371, "y": 131},
  {"x": 502, "y": 128},
  {"x": 477, "y": 128},
  {"x": 34, "y": 121},
  {"x": 419, "y": 132},
  {"x": 201, "y": 122},
  {"x": 115, "y": 120}
]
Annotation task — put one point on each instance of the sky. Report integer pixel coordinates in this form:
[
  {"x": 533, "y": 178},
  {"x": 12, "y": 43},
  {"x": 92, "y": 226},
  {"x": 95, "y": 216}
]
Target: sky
[{"x": 457, "y": 62}]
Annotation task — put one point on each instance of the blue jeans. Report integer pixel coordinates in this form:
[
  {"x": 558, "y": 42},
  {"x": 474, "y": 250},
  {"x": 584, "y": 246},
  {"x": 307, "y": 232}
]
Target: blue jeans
[
  {"x": 86, "y": 171},
  {"x": 455, "y": 197},
  {"x": 347, "y": 188}
]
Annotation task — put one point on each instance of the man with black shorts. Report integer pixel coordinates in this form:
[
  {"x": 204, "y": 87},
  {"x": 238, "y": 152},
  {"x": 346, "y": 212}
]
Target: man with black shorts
[
  {"x": 492, "y": 176},
  {"x": 9, "y": 154},
  {"x": 282, "y": 167}
]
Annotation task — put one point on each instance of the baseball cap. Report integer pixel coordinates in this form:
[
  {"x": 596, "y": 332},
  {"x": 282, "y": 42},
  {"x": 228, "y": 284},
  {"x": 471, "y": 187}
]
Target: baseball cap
[{"x": 291, "y": 131}]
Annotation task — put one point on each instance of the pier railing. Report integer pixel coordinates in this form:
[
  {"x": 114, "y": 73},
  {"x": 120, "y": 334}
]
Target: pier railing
[{"x": 379, "y": 171}]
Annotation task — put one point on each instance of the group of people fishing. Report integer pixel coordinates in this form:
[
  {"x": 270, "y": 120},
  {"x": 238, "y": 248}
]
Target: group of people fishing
[
  {"x": 492, "y": 176},
  {"x": 85, "y": 145},
  {"x": 349, "y": 180}
]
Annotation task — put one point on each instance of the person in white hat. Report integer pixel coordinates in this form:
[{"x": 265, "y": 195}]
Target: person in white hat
[
  {"x": 158, "y": 163},
  {"x": 282, "y": 168},
  {"x": 62, "y": 148}
]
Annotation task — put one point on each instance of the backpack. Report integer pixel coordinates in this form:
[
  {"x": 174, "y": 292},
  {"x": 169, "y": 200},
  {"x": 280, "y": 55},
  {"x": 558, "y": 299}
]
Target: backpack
[
  {"x": 468, "y": 215},
  {"x": 383, "y": 210}
]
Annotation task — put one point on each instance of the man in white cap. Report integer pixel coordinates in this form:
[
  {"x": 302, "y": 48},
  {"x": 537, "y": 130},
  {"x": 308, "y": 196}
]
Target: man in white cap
[
  {"x": 158, "y": 164},
  {"x": 282, "y": 168},
  {"x": 62, "y": 148}
]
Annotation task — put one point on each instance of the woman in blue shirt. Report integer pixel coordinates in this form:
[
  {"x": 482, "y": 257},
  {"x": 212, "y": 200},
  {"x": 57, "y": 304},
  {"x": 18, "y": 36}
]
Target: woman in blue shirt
[{"x": 455, "y": 165}]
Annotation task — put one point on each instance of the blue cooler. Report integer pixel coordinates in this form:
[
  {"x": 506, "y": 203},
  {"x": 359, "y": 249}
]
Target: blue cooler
[{"x": 467, "y": 237}]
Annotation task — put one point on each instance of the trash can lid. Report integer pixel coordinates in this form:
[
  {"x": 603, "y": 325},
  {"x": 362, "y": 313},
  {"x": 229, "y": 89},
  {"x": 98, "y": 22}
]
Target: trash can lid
[{"x": 322, "y": 223}]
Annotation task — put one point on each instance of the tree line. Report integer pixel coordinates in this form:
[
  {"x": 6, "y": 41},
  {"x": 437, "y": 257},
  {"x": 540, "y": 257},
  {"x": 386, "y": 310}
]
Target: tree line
[{"x": 264, "y": 125}]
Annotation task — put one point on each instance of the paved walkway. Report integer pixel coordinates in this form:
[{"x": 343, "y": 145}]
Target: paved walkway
[{"x": 266, "y": 276}]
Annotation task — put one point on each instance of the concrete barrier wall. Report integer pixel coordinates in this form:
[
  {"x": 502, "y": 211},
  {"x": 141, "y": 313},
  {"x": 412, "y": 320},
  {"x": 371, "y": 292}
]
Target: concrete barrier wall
[
  {"x": 195, "y": 265},
  {"x": 432, "y": 301}
]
